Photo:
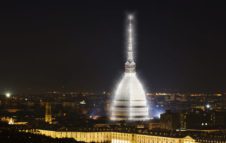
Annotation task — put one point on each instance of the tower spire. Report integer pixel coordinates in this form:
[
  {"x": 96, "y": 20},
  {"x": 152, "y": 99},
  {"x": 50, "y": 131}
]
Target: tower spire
[
  {"x": 130, "y": 103},
  {"x": 130, "y": 64}
]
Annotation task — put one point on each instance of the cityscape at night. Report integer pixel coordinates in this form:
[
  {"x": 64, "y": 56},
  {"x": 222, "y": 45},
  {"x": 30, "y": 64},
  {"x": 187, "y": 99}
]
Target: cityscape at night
[{"x": 113, "y": 72}]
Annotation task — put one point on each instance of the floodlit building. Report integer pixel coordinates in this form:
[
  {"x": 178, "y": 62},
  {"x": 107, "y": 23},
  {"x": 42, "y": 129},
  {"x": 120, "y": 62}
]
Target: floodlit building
[
  {"x": 48, "y": 114},
  {"x": 116, "y": 137},
  {"x": 129, "y": 101}
]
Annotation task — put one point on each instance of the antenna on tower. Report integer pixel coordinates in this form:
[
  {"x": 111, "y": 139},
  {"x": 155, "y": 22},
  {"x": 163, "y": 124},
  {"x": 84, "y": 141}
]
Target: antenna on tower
[
  {"x": 130, "y": 37},
  {"x": 130, "y": 64}
]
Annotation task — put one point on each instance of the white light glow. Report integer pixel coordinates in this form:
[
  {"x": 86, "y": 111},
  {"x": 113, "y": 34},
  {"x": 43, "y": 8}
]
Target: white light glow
[
  {"x": 159, "y": 114},
  {"x": 130, "y": 17},
  {"x": 8, "y": 95},
  {"x": 208, "y": 106}
]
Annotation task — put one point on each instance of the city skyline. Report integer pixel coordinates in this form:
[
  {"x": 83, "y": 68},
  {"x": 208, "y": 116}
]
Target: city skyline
[
  {"x": 47, "y": 46},
  {"x": 127, "y": 72}
]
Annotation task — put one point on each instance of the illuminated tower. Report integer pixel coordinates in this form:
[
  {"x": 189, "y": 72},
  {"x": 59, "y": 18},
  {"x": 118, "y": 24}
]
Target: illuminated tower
[
  {"x": 129, "y": 101},
  {"x": 48, "y": 114}
]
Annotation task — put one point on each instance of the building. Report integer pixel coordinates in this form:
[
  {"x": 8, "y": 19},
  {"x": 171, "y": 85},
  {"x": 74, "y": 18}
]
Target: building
[
  {"x": 48, "y": 114},
  {"x": 154, "y": 124},
  {"x": 170, "y": 120},
  {"x": 193, "y": 119},
  {"x": 129, "y": 101},
  {"x": 198, "y": 119},
  {"x": 103, "y": 135}
]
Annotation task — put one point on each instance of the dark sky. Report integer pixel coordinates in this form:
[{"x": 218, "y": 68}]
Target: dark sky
[{"x": 80, "y": 46}]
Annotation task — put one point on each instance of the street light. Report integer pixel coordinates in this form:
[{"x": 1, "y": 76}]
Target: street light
[
  {"x": 8, "y": 95},
  {"x": 207, "y": 106}
]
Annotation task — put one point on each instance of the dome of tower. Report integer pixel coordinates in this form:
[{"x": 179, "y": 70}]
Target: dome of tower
[
  {"x": 130, "y": 88},
  {"x": 129, "y": 102}
]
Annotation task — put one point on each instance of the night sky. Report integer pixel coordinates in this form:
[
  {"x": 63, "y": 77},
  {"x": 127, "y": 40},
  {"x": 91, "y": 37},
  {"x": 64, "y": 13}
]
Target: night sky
[{"x": 80, "y": 46}]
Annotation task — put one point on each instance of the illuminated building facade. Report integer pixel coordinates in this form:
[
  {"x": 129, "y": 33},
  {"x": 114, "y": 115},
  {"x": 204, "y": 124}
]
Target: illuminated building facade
[
  {"x": 48, "y": 114},
  {"x": 114, "y": 137},
  {"x": 129, "y": 101}
]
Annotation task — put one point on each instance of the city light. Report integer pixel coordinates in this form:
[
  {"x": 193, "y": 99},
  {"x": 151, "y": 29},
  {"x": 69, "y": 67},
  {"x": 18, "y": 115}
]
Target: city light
[
  {"x": 8, "y": 95},
  {"x": 11, "y": 121},
  {"x": 158, "y": 113},
  {"x": 208, "y": 106}
]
